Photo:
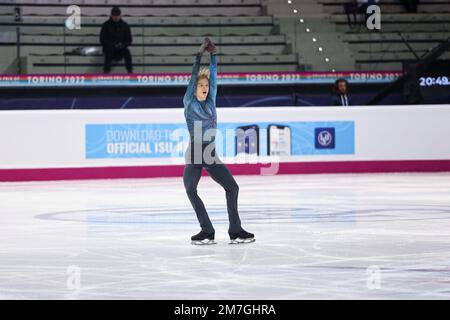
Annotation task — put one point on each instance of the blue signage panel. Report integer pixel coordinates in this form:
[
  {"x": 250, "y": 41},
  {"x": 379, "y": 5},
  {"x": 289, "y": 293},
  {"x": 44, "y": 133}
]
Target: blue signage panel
[{"x": 147, "y": 140}]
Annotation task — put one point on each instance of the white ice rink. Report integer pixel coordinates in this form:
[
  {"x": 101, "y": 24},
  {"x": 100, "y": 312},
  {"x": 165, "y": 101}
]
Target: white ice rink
[{"x": 317, "y": 236}]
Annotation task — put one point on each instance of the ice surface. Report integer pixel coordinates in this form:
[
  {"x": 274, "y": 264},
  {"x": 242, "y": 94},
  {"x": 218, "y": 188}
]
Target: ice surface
[{"x": 318, "y": 236}]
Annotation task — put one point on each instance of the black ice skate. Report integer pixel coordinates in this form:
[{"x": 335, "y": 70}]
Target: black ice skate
[
  {"x": 203, "y": 238},
  {"x": 241, "y": 237}
]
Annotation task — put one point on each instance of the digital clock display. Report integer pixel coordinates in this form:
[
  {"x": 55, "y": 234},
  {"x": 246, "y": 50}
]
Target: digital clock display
[{"x": 434, "y": 81}]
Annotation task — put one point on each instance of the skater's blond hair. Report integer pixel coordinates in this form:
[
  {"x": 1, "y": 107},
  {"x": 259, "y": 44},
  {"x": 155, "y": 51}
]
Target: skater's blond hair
[{"x": 203, "y": 74}]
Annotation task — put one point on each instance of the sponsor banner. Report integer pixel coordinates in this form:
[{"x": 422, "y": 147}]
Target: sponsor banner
[
  {"x": 84, "y": 139},
  {"x": 181, "y": 79},
  {"x": 166, "y": 140}
]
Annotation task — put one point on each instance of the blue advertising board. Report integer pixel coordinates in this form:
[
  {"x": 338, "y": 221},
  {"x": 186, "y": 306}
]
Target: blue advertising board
[{"x": 169, "y": 140}]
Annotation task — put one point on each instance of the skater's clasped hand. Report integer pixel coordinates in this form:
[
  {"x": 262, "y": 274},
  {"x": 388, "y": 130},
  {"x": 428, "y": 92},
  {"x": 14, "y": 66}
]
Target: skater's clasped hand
[
  {"x": 208, "y": 46},
  {"x": 203, "y": 46},
  {"x": 211, "y": 48}
]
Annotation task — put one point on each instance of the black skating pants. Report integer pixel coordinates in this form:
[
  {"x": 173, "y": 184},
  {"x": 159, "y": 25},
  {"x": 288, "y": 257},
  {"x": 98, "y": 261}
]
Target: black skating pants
[{"x": 219, "y": 173}]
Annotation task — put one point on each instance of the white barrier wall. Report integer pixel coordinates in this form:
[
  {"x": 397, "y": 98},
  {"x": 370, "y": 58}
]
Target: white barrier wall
[{"x": 78, "y": 138}]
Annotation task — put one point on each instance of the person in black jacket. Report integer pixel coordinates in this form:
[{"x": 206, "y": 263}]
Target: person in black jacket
[
  {"x": 340, "y": 95},
  {"x": 115, "y": 38},
  {"x": 410, "y": 5}
]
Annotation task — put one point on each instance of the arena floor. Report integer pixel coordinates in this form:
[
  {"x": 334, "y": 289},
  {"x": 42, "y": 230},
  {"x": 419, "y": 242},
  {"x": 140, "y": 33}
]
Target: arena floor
[{"x": 364, "y": 236}]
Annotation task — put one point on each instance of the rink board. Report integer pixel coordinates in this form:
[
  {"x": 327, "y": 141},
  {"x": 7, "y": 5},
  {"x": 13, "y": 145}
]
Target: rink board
[{"x": 91, "y": 144}]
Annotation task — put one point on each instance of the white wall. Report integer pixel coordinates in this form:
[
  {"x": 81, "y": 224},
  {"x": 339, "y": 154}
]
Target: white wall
[{"x": 56, "y": 138}]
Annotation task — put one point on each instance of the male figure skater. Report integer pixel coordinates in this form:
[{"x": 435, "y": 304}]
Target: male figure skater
[{"x": 200, "y": 113}]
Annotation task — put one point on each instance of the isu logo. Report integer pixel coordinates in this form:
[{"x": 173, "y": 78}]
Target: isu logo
[{"x": 324, "y": 138}]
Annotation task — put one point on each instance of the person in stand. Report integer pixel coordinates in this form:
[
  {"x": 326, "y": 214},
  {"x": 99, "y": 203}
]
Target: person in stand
[
  {"x": 353, "y": 8},
  {"x": 410, "y": 5},
  {"x": 340, "y": 95},
  {"x": 201, "y": 119},
  {"x": 115, "y": 38}
]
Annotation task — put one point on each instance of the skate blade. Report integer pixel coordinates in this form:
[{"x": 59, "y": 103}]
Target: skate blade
[
  {"x": 242, "y": 241},
  {"x": 205, "y": 242}
]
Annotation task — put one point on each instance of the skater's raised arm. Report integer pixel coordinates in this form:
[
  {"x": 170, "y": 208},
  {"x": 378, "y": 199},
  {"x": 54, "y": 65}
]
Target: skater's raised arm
[
  {"x": 189, "y": 95},
  {"x": 190, "y": 91},
  {"x": 212, "y": 72}
]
